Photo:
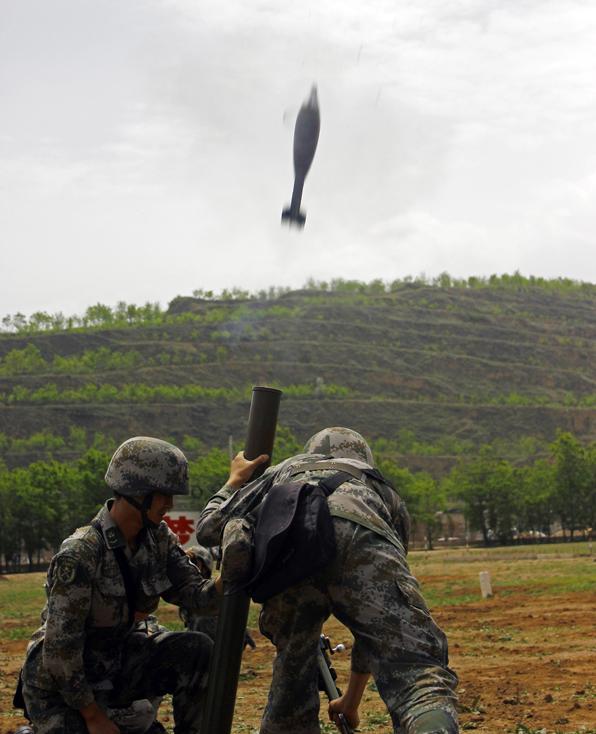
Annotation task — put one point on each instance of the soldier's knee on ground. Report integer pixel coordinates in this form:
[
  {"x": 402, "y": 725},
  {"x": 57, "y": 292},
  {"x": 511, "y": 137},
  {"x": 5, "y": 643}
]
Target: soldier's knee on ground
[
  {"x": 434, "y": 722},
  {"x": 185, "y": 653}
]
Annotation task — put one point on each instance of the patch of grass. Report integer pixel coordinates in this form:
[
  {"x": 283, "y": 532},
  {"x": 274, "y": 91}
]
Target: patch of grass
[
  {"x": 509, "y": 552},
  {"x": 253, "y": 616},
  {"x": 248, "y": 675},
  {"x": 451, "y": 577},
  {"x": 18, "y": 633},
  {"x": 475, "y": 707},
  {"x": 20, "y": 590},
  {"x": 327, "y": 727},
  {"x": 376, "y": 719},
  {"x": 21, "y": 600}
]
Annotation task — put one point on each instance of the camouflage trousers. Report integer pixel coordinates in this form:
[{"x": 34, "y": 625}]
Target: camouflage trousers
[
  {"x": 369, "y": 588},
  {"x": 165, "y": 662},
  {"x": 199, "y": 623}
]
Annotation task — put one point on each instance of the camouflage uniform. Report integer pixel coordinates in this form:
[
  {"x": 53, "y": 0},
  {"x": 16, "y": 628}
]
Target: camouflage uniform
[
  {"x": 198, "y": 622},
  {"x": 202, "y": 559},
  {"x": 86, "y": 649},
  {"x": 368, "y": 587}
]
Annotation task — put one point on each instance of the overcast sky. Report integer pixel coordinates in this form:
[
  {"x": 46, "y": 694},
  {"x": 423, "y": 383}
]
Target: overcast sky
[{"x": 146, "y": 146}]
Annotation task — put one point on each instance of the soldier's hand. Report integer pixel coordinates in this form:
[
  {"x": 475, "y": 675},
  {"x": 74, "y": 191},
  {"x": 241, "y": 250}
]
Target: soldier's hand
[
  {"x": 97, "y": 721},
  {"x": 241, "y": 469},
  {"x": 341, "y": 706}
]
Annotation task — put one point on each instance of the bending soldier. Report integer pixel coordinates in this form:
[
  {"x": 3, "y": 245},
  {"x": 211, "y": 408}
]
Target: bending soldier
[
  {"x": 94, "y": 653},
  {"x": 368, "y": 587}
]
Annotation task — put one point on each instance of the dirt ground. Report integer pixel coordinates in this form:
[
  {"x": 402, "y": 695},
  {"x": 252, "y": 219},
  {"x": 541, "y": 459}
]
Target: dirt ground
[
  {"x": 526, "y": 665},
  {"x": 513, "y": 668}
]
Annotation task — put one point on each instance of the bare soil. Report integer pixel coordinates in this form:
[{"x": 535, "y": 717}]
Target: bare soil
[{"x": 521, "y": 660}]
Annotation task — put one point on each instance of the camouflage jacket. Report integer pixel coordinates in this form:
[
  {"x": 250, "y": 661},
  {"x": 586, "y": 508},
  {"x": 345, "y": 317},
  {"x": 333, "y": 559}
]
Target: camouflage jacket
[
  {"x": 363, "y": 500},
  {"x": 85, "y": 620}
]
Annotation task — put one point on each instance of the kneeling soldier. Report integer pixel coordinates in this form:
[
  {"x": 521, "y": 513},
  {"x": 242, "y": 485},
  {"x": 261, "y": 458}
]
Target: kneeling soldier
[{"x": 94, "y": 653}]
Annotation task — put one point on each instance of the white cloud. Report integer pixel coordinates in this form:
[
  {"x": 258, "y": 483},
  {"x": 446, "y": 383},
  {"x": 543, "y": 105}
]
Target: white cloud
[{"x": 143, "y": 150}]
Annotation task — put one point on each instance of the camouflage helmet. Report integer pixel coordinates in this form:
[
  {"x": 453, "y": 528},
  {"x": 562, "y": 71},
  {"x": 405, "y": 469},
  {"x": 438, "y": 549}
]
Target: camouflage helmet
[
  {"x": 143, "y": 465},
  {"x": 341, "y": 443}
]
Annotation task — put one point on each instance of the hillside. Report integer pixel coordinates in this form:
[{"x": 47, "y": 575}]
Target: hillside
[{"x": 451, "y": 365}]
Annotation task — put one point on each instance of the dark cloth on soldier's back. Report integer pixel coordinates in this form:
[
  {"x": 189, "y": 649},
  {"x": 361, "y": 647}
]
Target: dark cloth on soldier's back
[
  {"x": 293, "y": 536},
  {"x": 85, "y": 632},
  {"x": 369, "y": 502}
]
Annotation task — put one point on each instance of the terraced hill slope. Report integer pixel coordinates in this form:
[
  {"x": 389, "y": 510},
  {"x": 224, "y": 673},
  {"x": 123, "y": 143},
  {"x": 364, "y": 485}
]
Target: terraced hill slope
[{"x": 444, "y": 363}]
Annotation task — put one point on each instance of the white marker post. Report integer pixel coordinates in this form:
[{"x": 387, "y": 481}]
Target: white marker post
[{"x": 485, "y": 586}]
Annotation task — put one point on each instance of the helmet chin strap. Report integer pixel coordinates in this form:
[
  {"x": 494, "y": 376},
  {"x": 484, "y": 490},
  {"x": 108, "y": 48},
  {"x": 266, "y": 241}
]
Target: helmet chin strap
[{"x": 142, "y": 507}]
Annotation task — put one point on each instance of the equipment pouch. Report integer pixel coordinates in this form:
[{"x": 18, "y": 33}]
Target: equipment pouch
[{"x": 294, "y": 536}]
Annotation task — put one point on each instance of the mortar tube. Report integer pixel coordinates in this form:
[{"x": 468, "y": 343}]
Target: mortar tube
[{"x": 226, "y": 656}]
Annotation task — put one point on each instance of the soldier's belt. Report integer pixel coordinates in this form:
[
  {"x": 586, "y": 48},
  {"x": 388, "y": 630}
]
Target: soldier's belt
[{"x": 330, "y": 466}]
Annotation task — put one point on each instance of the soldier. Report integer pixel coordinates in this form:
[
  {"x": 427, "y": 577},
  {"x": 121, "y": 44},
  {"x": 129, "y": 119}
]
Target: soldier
[
  {"x": 368, "y": 587},
  {"x": 96, "y": 653}
]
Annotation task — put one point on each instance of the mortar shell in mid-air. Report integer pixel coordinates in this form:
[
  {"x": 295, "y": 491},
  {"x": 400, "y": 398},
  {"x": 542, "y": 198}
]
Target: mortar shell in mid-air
[{"x": 306, "y": 137}]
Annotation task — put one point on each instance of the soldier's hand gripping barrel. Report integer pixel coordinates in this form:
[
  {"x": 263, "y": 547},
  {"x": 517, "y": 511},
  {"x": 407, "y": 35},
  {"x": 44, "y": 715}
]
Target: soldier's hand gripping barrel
[{"x": 231, "y": 623}]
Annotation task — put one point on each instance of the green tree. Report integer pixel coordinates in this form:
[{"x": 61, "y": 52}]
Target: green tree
[
  {"x": 286, "y": 444},
  {"x": 537, "y": 486},
  {"x": 99, "y": 315},
  {"x": 427, "y": 500},
  {"x": 468, "y": 481},
  {"x": 488, "y": 489},
  {"x": 504, "y": 500},
  {"x": 401, "y": 478},
  {"x": 56, "y": 484},
  {"x": 573, "y": 488},
  {"x": 23, "y": 361},
  {"x": 90, "y": 486},
  {"x": 40, "y": 321},
  {"x": 31, "y": 514},
  {"x": 10, "y": 541},
  {"x": 208, "y": 473},
  {"x": 591, "y": 493}
]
